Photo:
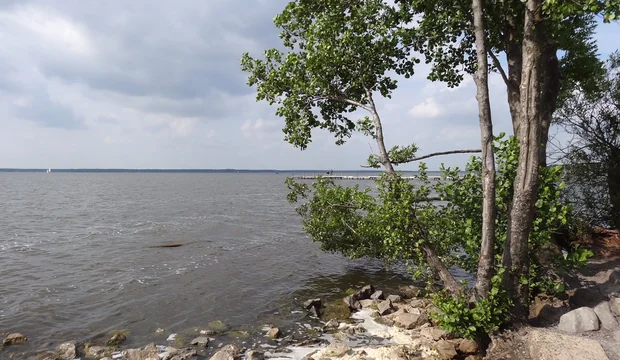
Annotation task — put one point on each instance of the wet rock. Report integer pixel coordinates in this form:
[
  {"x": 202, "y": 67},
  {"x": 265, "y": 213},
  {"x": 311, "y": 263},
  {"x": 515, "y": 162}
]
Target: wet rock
[
  {"x": 446, "y": 350},
  {"x": 228, "y": 352},
  {"x": 200, "y": 341},
  {"x": 377, "y": 295},
  {"x": 99, "y": 351},
  {"x": 352, "y": 302},
  {"x": 368, "y": 303},
  {"x": 314, "y": 311},
  {"x": 614, "y": 305},
  {"x": 605, "y": 316},
  {"x": 254, "y": 355},
  {"x": 14, "y": 338},
  {"x": 172, "y": 337},
  {"x": 66, "y": 351},
  {"x": 365, "y": 293},
  {"x": 549, "y": 345},
  {"x": 208, "y": 332},
  {"x": 312, "y": 303},
  {"x": 273, "y": 333},
  {"x": 116, "y": 339},
  {"x": 394, "y": 298},
  {"x": 332, "y": 324},
  {"x": 337, "y": 348},
  {"x": 579, "y": 320},
  {"x": 385, "y": 307},
  {"x": 434, "y": 333},
  {"x": 409, "y": 291},
  {"x": 149, "y": 352},
  {"x": 411, "y": 320},
  {"x": 468, "y": 346},
  {"x": 178, "y": 354}
]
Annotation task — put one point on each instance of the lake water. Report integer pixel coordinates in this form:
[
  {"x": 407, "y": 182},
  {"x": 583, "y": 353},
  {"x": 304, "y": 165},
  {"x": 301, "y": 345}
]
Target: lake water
[{"x": 76, "y": 255}]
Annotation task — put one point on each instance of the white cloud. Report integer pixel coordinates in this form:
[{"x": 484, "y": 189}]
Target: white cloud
[{"x": 425, "y": 110}]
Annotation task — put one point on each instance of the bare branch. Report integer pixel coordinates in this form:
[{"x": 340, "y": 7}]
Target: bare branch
[
  {"x": 468, "y": 151},
  {"x": 348, "y": 101},
  {"x": 499, "y": 68}
]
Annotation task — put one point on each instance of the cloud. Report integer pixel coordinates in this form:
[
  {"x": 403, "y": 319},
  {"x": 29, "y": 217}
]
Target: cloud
[{"x": 425, "y": 110}]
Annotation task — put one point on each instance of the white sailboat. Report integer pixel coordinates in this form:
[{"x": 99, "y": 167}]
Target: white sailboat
[{"x": 49, "y": 171}]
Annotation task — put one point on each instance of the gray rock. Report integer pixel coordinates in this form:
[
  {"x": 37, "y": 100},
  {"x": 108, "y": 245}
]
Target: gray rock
[
  {"x": 365, "y": 292},
  {"x": 308, "y": 304},
  {"x": 368, "y": 303},
  {"x": 352, "y": 302},
  {"x": 616, "y": 335},
  {"x": 99, "y": 351},
  {"x": 66, "y": 351},
  {"x": 178, "y": 354},
  {"x": 228, "y": 352},
  {"x": 254, "y": 355},
  {"x": 337, "y": 349},
  {"x": 149, "y": 352},
  {"x": 607, "y": 319},
  {"x": 377, "y": 295},
  {"x": 208, "y": 332},
  {"x": 548, "y": 345},
  {"x": 201, "y": 341},
  {"x": 385, "y": 307},
  {"x": 445, "y": 349},
  {"x": 409, "y": 291},
  {"x": 411, "y": 320},
  {"x": 614, "y": 305},
  {"x": 579, "y": 320},
  {"x": 314, "y": 311},
  {"x": 394, "y": 298},
  {"x": 14, "y": 338},
  {"x": 116, "y": 339}
]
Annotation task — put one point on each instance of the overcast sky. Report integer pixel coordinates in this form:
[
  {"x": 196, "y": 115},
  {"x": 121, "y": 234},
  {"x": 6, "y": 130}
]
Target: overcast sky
[{"x": 157, "y": 84}]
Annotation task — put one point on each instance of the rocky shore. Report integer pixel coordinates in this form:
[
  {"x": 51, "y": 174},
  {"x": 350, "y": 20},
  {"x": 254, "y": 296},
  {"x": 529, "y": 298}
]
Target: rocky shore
[{"x": 370, "y": 324}]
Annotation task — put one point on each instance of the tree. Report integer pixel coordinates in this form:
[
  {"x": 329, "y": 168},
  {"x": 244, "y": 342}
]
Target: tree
[
  {"x": 452, "y": 36},
  {"x": 341, "y": 54},
  {"x": 593, "y": 154}
]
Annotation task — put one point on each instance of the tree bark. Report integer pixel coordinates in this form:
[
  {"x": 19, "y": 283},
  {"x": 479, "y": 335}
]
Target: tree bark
[
  {"x": 487, "y": 246},
  {"x": 530, "y": 134},
  {"x": 438, "y": 267},
  {"x": 383, "y": 154},
  {"x": 613, "y": 184}
]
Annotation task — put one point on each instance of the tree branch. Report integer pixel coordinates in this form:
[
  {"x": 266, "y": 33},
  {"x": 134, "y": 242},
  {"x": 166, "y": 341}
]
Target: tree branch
[
  {"x": 348, "y": 101},
  {"x": 500, "y": 69},
  {"x": 468, "y": 151}
]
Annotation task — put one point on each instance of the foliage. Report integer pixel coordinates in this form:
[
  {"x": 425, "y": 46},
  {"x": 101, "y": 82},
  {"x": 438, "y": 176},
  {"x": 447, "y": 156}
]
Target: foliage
[
  {"x": 592, "y": 157},
  {"x": 459, "y": 317}
]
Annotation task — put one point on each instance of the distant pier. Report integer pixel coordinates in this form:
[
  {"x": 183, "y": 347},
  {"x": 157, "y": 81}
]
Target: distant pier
[{"x": 356, "y": 177}]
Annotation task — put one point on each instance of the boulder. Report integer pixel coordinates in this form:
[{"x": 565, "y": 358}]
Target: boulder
[
  {"x": 99, "y": 351},
  {"x": 352, "y": 302},
  {"x": 254, "y": 355},
  {"x": 614, "y": 305},
  {"x": 411, "y": 320},
  {"x": 377, "y": 295},
  {"x": 434, "y": 333},
  {"x": 273, "y": 333},
  {"x": 337, "y": 348},
  {"x": 467, "y": 346},
  {"x": 66, "y": 351},
  {"x": 200, "y": 341},
  {"x": 445, "y": 349},
  {"x": 616, "y": 335},
  {"x": 583, "y": 297},
  {"x": 178, "y": 354},
  {"x": 409, "y": 291},
  {"x": 14, "y": 338},
  {"x": 365, "y": 293},
  {"x": 228, "y": 352},
  {"x": 149, "y": 352},
  {"x": 314, "y": 311},
  {"x": 116, "y": 339},
  {"x": 607, "y": 319},
  {"x": 385, "y": 307},
  {"x": 418, "y": 303},
  {"x": 308, "y": 304},
  {"x": 368, "y": 303},
  {"x": 579, "y": 320},
  {"x": 548, "y": 345},
  {"x": 394, "y": 298}
]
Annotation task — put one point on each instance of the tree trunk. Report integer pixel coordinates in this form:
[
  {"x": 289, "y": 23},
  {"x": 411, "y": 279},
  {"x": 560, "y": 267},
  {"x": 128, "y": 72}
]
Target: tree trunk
[
  {"x": 487, "y": 246},
  {"x": 530, "y": 135},
  {"x": 438, "y": 267},
  {"x": 613, "y": 184}
]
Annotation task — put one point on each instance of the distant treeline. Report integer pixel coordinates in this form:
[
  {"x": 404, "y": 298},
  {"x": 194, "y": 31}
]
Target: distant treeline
[{"x": 244, "y": 171}]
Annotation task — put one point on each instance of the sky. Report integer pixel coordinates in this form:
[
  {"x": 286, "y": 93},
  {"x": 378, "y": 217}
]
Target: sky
[{"x": 157, "y": 84}]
